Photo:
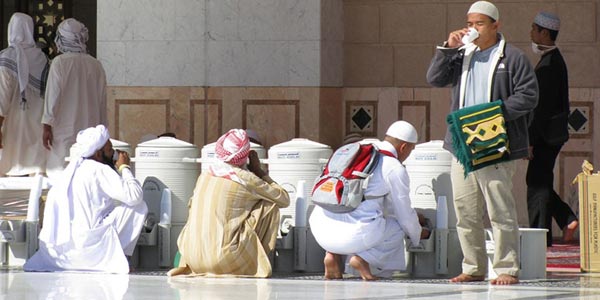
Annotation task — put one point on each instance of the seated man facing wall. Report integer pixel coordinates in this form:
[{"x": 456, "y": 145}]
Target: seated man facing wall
[
  {"x": 234, "y": 215},
  {"x": 373, "y": 233},
  {"x": 94, "y": 213}
]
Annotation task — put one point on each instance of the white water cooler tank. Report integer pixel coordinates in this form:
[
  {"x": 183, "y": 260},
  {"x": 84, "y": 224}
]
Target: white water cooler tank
[
  {"x": 174, "y": 163},
  {"x": 428, "y": 168},
  {"x": 298, "y": 159},
  {"x": 208, "y": 154}
]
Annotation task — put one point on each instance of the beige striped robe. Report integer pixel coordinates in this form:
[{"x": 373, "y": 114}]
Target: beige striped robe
[{"x": 231, "y": 228}]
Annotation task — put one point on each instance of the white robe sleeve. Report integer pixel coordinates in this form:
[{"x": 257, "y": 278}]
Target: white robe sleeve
[
  {"x": 406, "y": 216},
  {"x": 8, "y": 84},
  {"x": 52, "y": 97},
  {"x": 124, "y": 188}
]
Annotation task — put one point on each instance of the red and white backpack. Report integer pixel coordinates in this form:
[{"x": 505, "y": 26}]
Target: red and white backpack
[{"x": 341, "y": 186}]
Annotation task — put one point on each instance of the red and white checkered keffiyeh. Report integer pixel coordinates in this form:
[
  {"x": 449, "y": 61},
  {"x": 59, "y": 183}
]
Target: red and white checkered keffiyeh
[{"x": 233, "y": 147}]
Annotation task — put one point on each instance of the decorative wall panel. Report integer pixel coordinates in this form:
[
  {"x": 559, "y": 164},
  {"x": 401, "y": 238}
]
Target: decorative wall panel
[
  {"x": 205, "y": 121},
  {"x": 361, "y": 117},
  {"x": 417, "y": 113},
  {"x": 136, "y": 118},
  {"x": 275, "y": 121},
  {"x": 581, "y": 121}
]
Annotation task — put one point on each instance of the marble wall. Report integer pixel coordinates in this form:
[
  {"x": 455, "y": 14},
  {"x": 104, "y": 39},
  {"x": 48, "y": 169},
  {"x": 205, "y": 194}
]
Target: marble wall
[
  {"x": 391, "y": 42},
  {"x": 221, "y": 42}
]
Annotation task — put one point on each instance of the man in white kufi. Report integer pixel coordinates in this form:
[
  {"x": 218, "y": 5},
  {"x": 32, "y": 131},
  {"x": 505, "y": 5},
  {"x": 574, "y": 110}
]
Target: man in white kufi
[
  {"x": 373, "y": 234},
  {"x": 93, "y": 215},
  {"x": 23, "y": 72},
  {"x": 75, "y": 94}
]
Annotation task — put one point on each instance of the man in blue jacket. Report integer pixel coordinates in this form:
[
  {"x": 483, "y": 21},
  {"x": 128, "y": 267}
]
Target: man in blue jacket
[{"x": 486, "y": 70}]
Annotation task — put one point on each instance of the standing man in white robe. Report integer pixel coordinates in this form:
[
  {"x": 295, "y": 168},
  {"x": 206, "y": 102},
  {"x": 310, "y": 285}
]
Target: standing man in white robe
[
  {"x": 23, "y": 72},
  {"x": 373, "y": 234},
  {"x": 75, "y": 94},
  {"x": 93, "y": 216}
]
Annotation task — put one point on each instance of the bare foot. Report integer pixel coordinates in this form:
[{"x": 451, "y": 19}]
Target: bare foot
[
  {"x": 505, "y": 279},
  {"x": 332, "y": 264},
  {"x": 467, "y": 278},
  {"x": 569, "y": 230},
  {"x": 179, "y": 271},
  {"x": 362, "y": 266}
]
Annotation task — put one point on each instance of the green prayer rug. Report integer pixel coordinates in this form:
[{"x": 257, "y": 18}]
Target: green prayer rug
[{"x": 479, "y": 135}]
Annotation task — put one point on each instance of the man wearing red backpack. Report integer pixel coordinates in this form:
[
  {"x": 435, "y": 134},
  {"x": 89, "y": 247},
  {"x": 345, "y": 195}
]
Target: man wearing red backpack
[{"x": 372, "y": 235}]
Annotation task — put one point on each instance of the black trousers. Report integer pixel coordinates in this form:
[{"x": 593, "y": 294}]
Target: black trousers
[{"x": 543, "y": 203}]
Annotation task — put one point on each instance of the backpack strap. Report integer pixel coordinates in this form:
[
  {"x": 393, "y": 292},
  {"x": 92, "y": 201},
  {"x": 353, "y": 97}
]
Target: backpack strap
[{"x": 387, "y": 153}]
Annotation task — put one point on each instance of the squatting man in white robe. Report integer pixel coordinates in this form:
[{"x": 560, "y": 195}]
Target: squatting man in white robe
[
  {"x": 93, "y": 215},
  {"x": 75, "y": 96},
  {"x": 373, "y": 234}
]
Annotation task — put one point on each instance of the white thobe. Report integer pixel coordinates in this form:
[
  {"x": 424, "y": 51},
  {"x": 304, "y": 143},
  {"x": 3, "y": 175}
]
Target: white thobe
[
  {"x": 107, "y": 218},
  {"x": 22, "y": 152},
  {"x": 75, "y": 100},
  {"x": 375, "y": 230}
]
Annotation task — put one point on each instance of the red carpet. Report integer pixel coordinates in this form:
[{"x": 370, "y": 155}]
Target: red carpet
[{"x": 563, "y": 256}]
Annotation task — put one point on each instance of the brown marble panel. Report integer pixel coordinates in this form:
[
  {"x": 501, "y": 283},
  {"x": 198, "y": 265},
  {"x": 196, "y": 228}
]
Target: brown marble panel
[
  {"x": 310, "y": 112},
  {"x": 417, "y": 113},
  {"x": 583, "y": 61},
  {"x": 412, "y": 23},
  {"x": 411, "y": 63},
  {"x": 516, "y": 19},
  {"x": 179, "y": 117},
  {"x": 136, "y": 118},
  {"x": 361, "y": 23},
  {"x": 205, "y": 121},
  {"x": 275, "y": 121},
  {"x": 330, "y": 119},
  {"x": 368, "y": 65},
  {"x": 578, "y": 21}
]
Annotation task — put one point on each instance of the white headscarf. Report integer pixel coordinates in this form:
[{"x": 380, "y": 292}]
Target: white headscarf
[
  {"x": 71, "y": 36},
  {"x": 60, "y": 197},
  {"x": 22, "y": 56}
]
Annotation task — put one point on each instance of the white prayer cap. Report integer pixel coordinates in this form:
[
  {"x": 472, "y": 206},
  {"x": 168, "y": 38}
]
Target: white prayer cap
[
  {"x": 92, "y": 139},
  {"x": 547, "y": 20},
  {"x": 404, "y": 131},
  {"x": 486, "y": 8}
]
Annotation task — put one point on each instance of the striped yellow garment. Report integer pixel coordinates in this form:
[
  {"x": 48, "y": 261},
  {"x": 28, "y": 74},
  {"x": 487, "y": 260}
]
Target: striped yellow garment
[
  {"x": 231, "y": 228},
  {"x": 479, "y": 135}
]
